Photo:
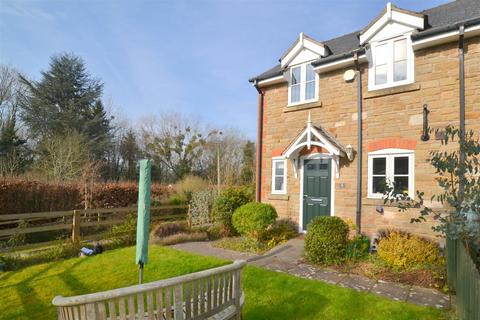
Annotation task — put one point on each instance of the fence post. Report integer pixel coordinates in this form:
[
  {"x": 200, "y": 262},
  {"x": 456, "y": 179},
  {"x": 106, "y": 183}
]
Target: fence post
[
  {"x": 189, "y": 217},
  {"x": 76, "y": 227}
]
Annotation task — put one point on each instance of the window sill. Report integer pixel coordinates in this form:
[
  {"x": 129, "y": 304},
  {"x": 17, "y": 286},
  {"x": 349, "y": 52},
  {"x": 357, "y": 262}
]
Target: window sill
[
  {"x": 379, "y": 202},
  {"x": 274, "y": 196},
  {"x": 392, "y": 90},
  {"x": 303, "y": 106}
]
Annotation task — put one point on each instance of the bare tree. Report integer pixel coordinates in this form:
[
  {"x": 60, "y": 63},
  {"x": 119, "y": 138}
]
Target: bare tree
[
  {"x": 229, "y": 145},
  {"x": 13, "y": 156},
  {"x": 63, "y": 157},
  {"x": 176, "y": 142}
]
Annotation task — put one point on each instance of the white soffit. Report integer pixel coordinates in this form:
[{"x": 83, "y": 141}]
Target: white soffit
[
  {"x": 395, "y": 15},
  {"x": 306, "y": 46}
]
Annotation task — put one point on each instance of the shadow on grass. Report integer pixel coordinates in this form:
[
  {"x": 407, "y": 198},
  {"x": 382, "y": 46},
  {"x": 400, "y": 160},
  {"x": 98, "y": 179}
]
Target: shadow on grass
[
  {"x": 71, "y": 281},
  {"x": 30, "y": 300},
  {"x": 26, "y": 290}
]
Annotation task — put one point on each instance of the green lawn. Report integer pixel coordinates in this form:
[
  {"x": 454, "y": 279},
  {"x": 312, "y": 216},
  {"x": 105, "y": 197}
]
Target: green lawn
[{"x": 26, "y": 294}]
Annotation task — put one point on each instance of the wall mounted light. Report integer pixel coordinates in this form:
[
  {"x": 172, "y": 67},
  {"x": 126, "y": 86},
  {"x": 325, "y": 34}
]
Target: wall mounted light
[
  {"x": 425, "y": 135},
  {"x": 349, "y": 152}
]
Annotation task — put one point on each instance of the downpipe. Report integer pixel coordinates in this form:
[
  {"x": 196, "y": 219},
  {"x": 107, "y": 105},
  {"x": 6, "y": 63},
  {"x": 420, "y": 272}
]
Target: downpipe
[{"x": 258, "y": 178}]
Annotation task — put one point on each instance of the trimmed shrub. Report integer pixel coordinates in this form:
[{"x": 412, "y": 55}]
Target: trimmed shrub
[
  {"x": 253, "y": 219},
  {"x": 25, "y": 196},
  {"x": 215, "y": 232},
  {"x": 227, "y": 202},
  {"x": 166, "y": 229},
  {"x": 183, "y": 237},
  {"x": 281, "y": 231},
  {"x": 401, "y": 250},
  {"x": 326, "y": 240}
]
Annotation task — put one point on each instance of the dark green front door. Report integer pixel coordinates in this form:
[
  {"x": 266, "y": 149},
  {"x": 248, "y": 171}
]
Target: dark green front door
[{"x": 316, "y": 189}]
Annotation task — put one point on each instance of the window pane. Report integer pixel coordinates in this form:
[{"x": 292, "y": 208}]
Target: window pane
[
  {"x": 295, "y": 93},
  {"x": 400, "y": 50},
  {"x": 278, "y": 183},
  {"x": 401, "y": 165},
  {"x": 381, "y": 74},
  {"x": 401, "y": 185},
  {"x": 379, "y": 165},
  {"x": 295, "y": 76},
  {"x": 379, "y": 185},
  {"x": 381, "y": 54},
  {"x": 279, "y": 166},
  {"x": 310, "y": 90},
  {"x": 310, "y": 73},
  {"x": 400, "y": 70}
]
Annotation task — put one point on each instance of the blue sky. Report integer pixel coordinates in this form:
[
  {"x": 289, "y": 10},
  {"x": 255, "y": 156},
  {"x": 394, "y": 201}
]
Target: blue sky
[{"x": 194, "y": 57}]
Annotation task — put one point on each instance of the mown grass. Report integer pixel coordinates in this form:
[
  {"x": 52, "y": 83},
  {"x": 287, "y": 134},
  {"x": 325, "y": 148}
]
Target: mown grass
[{"x": 27, "y": 293}]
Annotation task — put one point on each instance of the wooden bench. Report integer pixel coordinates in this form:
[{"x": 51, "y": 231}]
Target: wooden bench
[{"x": 209, "y": 294}]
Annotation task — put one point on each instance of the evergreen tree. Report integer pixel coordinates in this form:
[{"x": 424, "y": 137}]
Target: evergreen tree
[
  {"x": 129, "y": 150},
  {"x": 65, "y": 100},
  {"x": 248, "y": 163}
]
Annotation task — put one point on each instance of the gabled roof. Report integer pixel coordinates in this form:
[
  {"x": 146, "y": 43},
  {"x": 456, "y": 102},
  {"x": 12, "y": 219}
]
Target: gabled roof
[
  {"x": 392, "y": 14},
  {"x": 314, "y": 135},
  {"x": 437, "y": 19}
]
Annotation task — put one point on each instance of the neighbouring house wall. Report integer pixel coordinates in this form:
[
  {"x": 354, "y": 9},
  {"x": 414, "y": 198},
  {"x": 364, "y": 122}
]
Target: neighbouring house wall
[{"x": 387, "y": 114}]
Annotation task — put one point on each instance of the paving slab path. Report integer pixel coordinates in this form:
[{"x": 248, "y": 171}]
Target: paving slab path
[{"x": 287, "y": 258}]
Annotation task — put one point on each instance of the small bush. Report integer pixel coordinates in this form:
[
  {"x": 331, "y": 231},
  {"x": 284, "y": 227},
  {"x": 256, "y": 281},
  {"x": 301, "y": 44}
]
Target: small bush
[
  {"x": 401, "y": 250},
  {"x": 183, "y": 237},
  {"x": 253, "y": 219},
  {"x": 166, "y": 229},
  {"x": 326, "y": 240},
  {"x": 358, "y": 248},
  {"x": 281, "y": 231},
  {"x": 124, "y": 234},
  {"x": 242, "y": 244},
  {"x": 215, "y": 231},
  {"x": 227, "y": 202}
]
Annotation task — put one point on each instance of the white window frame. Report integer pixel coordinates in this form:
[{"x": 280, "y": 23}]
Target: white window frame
[
  {"x": 390, "y": 155},
  {"x": 274, "y": 162},
  {"x": 303, "y": 82},
  {"x": 390, "y": 63}
]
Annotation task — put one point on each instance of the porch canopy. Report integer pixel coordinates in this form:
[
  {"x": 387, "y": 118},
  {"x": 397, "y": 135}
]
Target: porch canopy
[{"x": 316, "y": 137}]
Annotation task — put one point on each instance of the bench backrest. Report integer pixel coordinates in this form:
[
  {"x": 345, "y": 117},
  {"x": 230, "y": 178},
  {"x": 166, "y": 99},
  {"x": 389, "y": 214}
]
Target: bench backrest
[{"x": 192, "y": 296}]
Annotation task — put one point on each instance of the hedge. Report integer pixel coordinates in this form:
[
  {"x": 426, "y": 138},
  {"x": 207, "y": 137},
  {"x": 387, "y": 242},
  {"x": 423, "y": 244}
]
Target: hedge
[{"x": 25, "y": 196}]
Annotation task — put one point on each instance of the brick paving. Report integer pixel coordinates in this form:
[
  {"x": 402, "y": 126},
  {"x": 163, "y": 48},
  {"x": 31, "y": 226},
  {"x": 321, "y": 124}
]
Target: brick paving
[{"x": 287, "y": 258}]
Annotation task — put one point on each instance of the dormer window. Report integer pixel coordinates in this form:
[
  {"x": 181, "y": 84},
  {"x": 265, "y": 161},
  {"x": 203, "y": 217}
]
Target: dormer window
[
  {"x": 391, "y": 54},
  {"x": 392, "y": 63},
  {"x": 302, "y": 84}
]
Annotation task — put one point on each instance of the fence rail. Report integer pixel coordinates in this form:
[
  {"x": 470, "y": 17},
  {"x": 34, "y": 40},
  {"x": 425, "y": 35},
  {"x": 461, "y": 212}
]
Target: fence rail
[
  {"x": 74, "y": 220},
  {"x": 464, "y": 278}
]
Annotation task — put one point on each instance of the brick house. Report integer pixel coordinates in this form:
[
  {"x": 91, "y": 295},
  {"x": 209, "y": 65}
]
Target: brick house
[{"x": 338, "y": 119}]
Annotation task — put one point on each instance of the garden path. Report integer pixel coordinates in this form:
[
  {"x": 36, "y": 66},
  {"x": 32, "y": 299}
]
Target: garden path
[{"x": 287, "y": 258}]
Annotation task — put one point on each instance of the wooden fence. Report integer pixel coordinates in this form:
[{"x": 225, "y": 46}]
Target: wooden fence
[
  {"x": 75, "y": 220},
  {"x": 464, "y": 278}
]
